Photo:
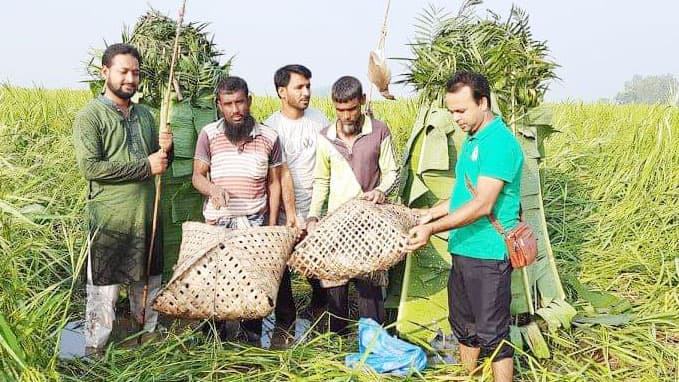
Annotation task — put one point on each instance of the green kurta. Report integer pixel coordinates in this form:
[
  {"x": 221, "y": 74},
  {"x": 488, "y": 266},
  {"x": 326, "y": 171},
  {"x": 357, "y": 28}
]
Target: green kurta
[{"x": 112, "y": 154}]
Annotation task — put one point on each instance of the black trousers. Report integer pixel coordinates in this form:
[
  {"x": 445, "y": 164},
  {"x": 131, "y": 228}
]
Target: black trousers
[
  {"x": 286, "y": 312},
  {"x": 370, "y": 304},
  {"x": 479, "y": 295}
]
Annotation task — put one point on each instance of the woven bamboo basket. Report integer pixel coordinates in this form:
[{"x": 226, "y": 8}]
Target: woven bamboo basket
[
  {"x": 226, "y": 274},
  {"x": 359, "y": 237}
]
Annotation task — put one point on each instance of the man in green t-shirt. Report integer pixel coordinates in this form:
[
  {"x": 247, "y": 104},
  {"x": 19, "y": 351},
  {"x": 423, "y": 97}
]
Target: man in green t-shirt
[{"x": 479, "y": 292}]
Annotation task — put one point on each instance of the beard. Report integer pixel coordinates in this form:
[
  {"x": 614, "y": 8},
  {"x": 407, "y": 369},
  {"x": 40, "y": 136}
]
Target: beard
[
  {"x": 349, "y": 129},
  {"x": 237, "y": 133},
  {"x": 352, "y": 128},
  {"x": 120, "y": 92}
]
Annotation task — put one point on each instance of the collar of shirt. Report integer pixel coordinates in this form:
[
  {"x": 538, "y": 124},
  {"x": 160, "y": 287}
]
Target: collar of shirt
[
  {"x": 366, "y": 129},
  {"x": 487, "y": 130},
  {"x": 109, "y": 102}
]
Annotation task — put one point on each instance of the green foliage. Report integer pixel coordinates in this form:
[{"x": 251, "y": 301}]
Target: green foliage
[
  {"x": 517, "y": 66},
  {"x": 197, "y": 70},
  {"x": 42, "y": 230},
  {"x": 650, "y": 90},
  {"x": 610, "y": 197}
]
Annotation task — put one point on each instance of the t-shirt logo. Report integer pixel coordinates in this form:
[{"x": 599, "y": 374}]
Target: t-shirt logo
[
  {"x": 292, "y": 147},
  {"x": 308, "y": 142},
  {"x": 475, "y": 154}
]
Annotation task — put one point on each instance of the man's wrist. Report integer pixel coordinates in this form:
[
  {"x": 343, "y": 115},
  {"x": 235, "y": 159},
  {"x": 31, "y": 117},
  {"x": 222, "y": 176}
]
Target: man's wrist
[
  {"x": 211, "y": 189},
  {"x": 292, "y": 211},
  {"x": 148, "y": 167},
  {"x": 430, "y": 229}
]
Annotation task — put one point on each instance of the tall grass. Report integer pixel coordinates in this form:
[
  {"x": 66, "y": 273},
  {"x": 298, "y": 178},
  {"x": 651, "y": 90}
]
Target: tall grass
[
  {"x": 41, "y": 226},
  {"x": 611, "y": 193}
]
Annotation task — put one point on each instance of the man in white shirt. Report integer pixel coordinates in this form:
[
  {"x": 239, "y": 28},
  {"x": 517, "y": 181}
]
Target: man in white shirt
[{"x": 297, "y": 126}]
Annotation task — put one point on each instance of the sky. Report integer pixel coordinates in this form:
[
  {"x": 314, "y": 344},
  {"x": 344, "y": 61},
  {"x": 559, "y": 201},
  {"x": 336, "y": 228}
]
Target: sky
[{"x": 599, "y": 44}]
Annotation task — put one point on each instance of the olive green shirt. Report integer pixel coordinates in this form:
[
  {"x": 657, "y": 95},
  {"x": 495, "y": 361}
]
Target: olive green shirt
[{"x": 112, "y": 154}]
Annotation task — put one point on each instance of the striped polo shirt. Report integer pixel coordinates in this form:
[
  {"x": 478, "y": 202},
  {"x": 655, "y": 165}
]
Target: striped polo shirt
[{"x": 240, "y": 169}]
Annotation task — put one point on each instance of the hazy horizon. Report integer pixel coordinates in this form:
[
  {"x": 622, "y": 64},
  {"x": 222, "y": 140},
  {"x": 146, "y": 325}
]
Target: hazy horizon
[{"x": 597, "y": 46}]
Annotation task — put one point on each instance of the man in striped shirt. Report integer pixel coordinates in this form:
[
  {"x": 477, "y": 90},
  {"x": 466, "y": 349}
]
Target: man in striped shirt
[
  {"x": 354, "y": 158},
  {"x": 243, "y": 159}
]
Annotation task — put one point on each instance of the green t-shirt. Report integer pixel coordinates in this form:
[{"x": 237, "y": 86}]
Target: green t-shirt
[{"x": 493, "y": 152}]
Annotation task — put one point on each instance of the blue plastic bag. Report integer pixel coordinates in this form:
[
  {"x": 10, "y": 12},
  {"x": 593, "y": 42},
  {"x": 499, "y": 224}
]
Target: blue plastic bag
[{"x": 387, "y": 354}]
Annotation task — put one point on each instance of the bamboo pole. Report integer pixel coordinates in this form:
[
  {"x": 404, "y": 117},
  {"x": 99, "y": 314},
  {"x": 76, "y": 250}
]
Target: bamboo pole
[{"x": 164, "y": 127}]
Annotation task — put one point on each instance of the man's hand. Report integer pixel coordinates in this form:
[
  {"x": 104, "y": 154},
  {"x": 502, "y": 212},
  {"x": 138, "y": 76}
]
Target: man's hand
[
  {"x": 291, "y": 221},
  {"x": 374, "y": 196},
  {"x": 158, "y": 162},
  {"x": 218, "y": 196},
  {"x": 418, "y": 237},
  {"x": 297, "y": 222},
  {"x": 165, "y": 141},
  {"x": 311, "y": 225}
]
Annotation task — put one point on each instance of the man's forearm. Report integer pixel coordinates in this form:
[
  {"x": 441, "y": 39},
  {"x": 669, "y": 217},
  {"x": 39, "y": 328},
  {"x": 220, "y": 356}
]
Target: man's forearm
[
  {"x": 389, "y": 182},
  {"x": 321, "y": 189},
  {"x": 115, "y": 172},
  {"x": 319, "y": 196},
  {"x": 288, "y": 192},
  {"x": 439, "y": 210},
  {"x": 467, "y": 214},
  {"x": 201, "y": 183},
  {"x": 274, "y": 191}
]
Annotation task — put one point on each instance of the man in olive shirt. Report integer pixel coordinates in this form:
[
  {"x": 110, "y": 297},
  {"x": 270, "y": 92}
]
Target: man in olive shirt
[
  {"x": 118, "y": 151},
  {"x": 354, "y": 158},
  {"x": 479, "y": 287}
]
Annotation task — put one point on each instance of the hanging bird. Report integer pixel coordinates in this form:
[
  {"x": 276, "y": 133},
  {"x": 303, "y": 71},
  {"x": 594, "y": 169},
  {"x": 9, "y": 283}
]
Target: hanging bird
[{"x": 379, "y": 74}]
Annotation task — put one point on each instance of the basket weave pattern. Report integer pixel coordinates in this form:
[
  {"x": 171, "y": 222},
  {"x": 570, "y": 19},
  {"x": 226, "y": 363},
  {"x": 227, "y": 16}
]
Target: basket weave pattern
[
  {"x": 226, "y": 274},
  {"x": 358, "y": 238}
]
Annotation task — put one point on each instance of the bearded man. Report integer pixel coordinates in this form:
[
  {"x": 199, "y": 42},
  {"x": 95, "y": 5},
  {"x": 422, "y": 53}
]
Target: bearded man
[
  {"x": 243, "y": 159},
  {"x": 118, "y": 151},
  {"x": 354, "y": 158}
]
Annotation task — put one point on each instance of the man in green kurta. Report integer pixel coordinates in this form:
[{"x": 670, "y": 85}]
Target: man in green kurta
[{"x": 118, "y": 151}]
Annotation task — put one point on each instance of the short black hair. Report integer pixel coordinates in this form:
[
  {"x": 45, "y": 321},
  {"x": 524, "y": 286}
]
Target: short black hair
[
  {"x": 231, "y": 84},
  {"x": 346, "y": 88},
  {"x": 116, "y": 49},
  {"x": 477, "y": 82},
  {"x": 282, "y": 76}
]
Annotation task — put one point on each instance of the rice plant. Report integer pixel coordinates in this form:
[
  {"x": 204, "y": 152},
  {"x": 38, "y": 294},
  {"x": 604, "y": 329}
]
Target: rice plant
[{"x": 611, "y": 197}]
